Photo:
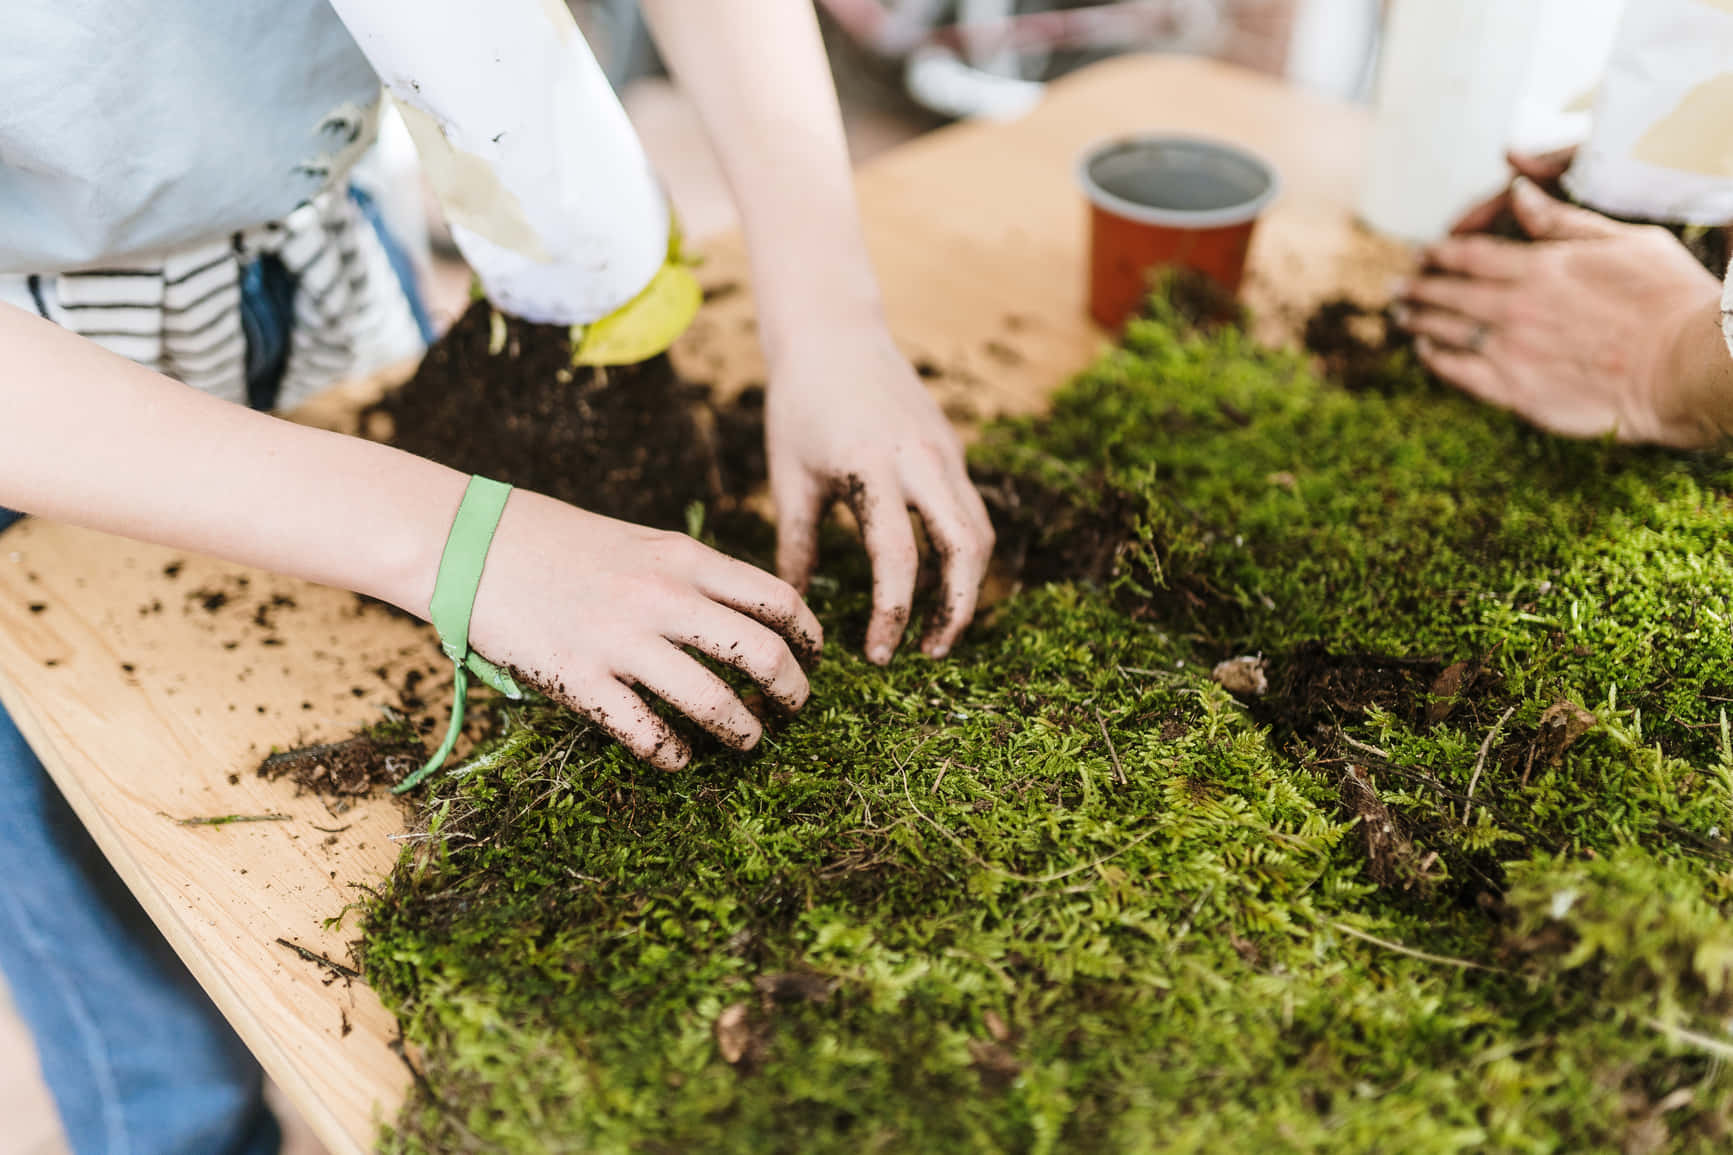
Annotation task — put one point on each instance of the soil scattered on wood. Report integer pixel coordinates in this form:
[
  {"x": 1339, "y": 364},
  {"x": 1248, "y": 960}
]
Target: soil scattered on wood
[
  {"x": 209, "y": 600},
  {"x": 380, "y": 756}
]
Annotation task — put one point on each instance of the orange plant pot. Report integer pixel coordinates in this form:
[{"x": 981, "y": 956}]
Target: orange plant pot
[{"x": 1165, "y": 202}]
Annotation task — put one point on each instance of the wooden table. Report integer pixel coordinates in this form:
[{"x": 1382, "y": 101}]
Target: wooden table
[{"x": 152, "y": 684}]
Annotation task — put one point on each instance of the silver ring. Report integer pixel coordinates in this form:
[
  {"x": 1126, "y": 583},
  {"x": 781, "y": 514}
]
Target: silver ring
[{"x": 1477, "y": 339}]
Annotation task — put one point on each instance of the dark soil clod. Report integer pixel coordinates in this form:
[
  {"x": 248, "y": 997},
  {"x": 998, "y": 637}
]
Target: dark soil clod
[
  {"x": 1361, "y": 349},
  {"x": 1311, "y": 686},
  {"x": 1200, "y": 301},
  {"x": 352, "y": 768}
]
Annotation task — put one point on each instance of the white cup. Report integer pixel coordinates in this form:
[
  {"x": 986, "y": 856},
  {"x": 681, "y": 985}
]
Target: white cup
[{"x": 1450, "y": 83}]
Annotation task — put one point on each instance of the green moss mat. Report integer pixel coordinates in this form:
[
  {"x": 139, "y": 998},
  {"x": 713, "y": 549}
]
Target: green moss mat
[{"x": 1062, "y": 892}]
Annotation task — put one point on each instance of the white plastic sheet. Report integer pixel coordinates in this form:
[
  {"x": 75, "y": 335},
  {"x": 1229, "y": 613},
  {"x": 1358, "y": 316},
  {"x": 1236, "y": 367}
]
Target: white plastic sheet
[
  {"x": 546, "y": 187},
  {"x": 1450, "y": 80},
  {"x": 1662, "y": 143}
]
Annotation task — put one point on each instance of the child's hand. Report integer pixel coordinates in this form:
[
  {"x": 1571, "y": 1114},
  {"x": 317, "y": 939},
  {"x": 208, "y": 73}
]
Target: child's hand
[
  {"x": 586, "y": 607},
  {"x": 848, "y": 419}
]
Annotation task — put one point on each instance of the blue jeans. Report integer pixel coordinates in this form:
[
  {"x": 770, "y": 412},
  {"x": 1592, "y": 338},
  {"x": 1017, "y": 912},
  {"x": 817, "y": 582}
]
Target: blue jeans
[{"x": 137, "y": 1058}]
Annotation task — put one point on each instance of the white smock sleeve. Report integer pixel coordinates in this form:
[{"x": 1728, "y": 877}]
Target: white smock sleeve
[
  {"x": 547, "y": 189},
  {"x": 1662, "y": 144},
  {"x": 1727, "y": 311}
]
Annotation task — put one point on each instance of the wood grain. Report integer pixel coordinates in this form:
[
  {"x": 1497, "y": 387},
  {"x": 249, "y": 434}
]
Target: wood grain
[{"x": 152, "y": 699}]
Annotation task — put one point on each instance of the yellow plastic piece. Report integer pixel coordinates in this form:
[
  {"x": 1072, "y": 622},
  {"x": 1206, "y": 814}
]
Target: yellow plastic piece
[{"x": 647, "y": 324}]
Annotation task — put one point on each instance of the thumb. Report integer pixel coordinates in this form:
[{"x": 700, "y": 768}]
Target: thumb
[
  {"x": 1544, "y": 168},
  {"x": 1546, "y": 219}
]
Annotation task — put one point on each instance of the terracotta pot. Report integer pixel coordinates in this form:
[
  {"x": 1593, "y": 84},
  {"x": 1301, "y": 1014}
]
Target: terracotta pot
[{"x": 1163, "y": 201}]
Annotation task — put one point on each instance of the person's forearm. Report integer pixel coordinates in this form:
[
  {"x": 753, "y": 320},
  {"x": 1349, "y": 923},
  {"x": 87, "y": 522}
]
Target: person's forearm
[
  {"x": 758, "y": 75},
  {"x": 1701, "y": 378},
  {"x": 95, "y": 440}
]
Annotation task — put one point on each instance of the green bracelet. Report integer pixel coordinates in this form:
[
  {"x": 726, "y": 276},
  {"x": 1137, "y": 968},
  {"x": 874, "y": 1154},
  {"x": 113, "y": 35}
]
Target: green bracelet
[{"x": 453, "y": 601}]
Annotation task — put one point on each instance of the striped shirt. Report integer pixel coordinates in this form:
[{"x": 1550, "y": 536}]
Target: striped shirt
[{"x": 180, "y": 313}]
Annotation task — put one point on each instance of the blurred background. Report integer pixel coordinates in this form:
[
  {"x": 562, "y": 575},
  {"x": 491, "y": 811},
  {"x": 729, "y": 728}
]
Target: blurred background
[{"x": 904, "y": 67}]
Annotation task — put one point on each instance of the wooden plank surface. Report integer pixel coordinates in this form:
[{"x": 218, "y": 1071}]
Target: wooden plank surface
[{"x": 153, "y": 683}]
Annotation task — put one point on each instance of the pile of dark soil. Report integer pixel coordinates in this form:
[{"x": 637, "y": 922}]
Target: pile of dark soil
[{"x": 501, "y": 397}]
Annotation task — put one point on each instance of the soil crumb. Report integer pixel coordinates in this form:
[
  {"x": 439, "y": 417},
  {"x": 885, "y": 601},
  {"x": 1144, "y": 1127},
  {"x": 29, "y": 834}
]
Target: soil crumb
[
  {"x": 1362, "y": 349},
  {"x": 352, "y": 768},
  {"x": 1312, "y": 686},
  {"x": 1201, "y": 302}
]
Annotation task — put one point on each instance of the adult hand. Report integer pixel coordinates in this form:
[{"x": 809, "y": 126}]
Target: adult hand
[
  {"x": 1596, "y": 327},
  {"x": 1545, "y": 169},
  {"x": 848, "y": 419},
  {"x": 588, "y": 607}
]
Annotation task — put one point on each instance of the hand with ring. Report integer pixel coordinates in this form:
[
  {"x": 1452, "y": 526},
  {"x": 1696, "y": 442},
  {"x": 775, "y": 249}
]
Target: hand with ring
[{"x": 1593, "y": 327}]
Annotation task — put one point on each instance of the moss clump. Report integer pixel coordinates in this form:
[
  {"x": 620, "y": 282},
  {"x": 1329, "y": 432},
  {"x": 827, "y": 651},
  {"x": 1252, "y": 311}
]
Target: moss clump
[{"x": 1459, "y": 881}]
